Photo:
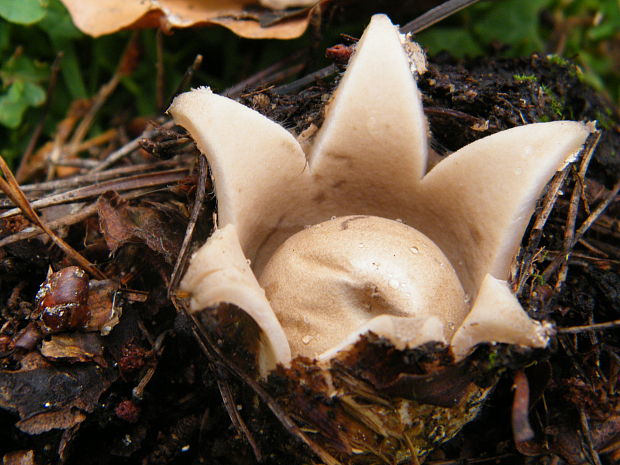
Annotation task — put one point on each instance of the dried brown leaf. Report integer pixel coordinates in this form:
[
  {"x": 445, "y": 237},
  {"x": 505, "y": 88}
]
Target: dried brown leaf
[
  {"x": 75, "y": 347},
  {"x": 121, "y": 223},
  {"x": 245, "y": 19},
  {"x": 47, "y": 396}
]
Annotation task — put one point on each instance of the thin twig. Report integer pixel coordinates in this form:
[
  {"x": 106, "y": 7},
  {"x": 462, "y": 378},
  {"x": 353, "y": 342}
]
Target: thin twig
[
  {"x": 138, "y": 181},
  {"x": 592, "y": 327},
  {"x": 11, "y": 188},
  {"x": 129, "y": 147},
  {"x": 573, "y": 209},
  {"x": 201, "y": 189},
  {"x": 187, "y": 78},
  {"x": 68, "y": 220},
  {"x": 229, "y": 403},
  {"x": 598, "y": 211},
  {"x": 265, "y": 76},
  {"x": 434, "y": 15},
  {"x": 537, "y": 228},
  {"x": 102, "y": 96},
  {"x": 496, "y": 458},
  {"x": 585, "y": 429},
  {"x": 570, "y": 237},
  {"x": 104, "y": 93}
]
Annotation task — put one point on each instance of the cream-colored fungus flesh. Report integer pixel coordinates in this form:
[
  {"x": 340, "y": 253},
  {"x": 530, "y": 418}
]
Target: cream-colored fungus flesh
[{"x": 368, "y": 161}]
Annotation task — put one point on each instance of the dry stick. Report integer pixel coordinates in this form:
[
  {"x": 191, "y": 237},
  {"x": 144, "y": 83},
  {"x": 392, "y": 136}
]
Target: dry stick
[
  {"x": 569, "y": 237},
  {"x": 129, "y": 147},
  {"x": 94, "y": 178},
  {"x": 585, "y": 429},
  {"x": 434, "y": 15},
  {"x": 592, "y": 249},
  {"x": 224, "y": 387},
  {"x": 179, "y": 266},
  {"x": 537, "y": 228},
  {"x": 573, "y": 208},
  {"x": 128, "y": 183},
  {"x": 591, "y": 327},
  {"x": 104, "y": 93},
  {"x": 67, "y": 220},
  {"x": 584, "y": 228},
  {"x": 51, "y": 86},
  {"x": 187, "y": 78},
  {"x": 598, "y": 211},
  {"x": 100, "y": 139},
  {"x": 76, "y": 163},
  {"x": 231, "y": 407},
  {"x": 265, "y": 75},
  {"x": 11, "y": 188},
  {"x": 496, "y": 459}
]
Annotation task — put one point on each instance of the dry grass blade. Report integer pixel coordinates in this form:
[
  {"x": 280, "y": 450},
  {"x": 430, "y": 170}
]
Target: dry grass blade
[{"x": 11, "y": 188}]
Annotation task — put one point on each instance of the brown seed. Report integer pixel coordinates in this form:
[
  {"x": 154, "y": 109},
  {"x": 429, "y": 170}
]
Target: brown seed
[{"x": 62, "y": 300}]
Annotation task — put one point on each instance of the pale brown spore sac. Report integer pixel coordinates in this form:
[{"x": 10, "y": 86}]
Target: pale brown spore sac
[{"x": 341, "y": 276}]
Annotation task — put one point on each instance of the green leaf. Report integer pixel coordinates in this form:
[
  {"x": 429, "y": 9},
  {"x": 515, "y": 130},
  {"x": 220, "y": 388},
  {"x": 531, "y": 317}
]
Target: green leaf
[
  {"x": 5, "y": 36},
  {"x": 70, "y": 66},
  {"x": 16, "y": 101},
  {"x": 23, "y": 11},
  {"x": 22, "y": 68},
  {"x": 57, "y": 22},
  {"x": 513, "y": 22},
  {"x": 455, "y": 40}
]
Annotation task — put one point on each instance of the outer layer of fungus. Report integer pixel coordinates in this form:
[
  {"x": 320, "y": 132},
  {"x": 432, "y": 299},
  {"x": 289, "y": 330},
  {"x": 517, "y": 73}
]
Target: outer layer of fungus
[{"x": 438, "y": 275}]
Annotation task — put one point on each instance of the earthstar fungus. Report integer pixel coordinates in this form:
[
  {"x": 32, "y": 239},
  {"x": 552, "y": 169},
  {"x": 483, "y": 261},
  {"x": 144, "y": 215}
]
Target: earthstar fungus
[{"x": 353, "y": 235}]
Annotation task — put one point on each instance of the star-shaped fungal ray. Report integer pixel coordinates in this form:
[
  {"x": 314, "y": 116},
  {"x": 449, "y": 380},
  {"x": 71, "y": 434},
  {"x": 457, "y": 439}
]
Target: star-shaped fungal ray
[
  {"x": 374, "y": 133},
  {"x": 487, "y": 191}
]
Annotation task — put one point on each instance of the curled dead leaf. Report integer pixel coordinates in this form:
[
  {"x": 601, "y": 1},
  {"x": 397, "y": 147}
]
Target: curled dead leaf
[
  {"x": 243, "y": 17},
  {"x": 49, "y": 397},
  {"x": 149, "y": 223}
]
